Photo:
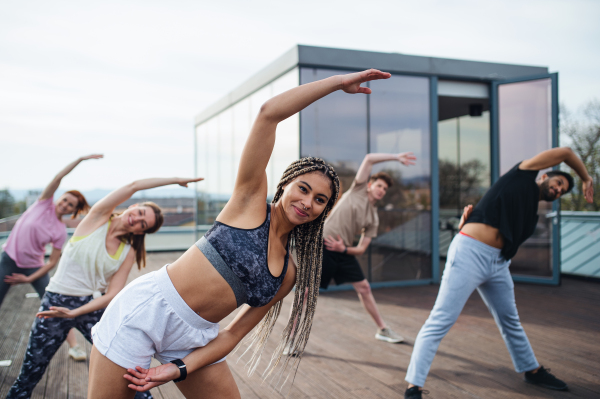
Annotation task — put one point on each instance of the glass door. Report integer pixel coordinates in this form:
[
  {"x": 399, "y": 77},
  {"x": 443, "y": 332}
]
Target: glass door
[{"x": 524, "y": 120}]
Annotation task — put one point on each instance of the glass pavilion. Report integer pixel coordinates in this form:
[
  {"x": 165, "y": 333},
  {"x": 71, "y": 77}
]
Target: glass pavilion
[{"x": 467, "y": 122}]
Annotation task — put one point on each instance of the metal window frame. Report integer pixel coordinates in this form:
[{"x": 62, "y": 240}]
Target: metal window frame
[{"x": 555, "y": 279}]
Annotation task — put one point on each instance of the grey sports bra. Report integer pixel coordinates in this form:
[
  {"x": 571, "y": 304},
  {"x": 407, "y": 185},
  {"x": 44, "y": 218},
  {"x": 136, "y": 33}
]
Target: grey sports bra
[{"x": 240, "y": 256}]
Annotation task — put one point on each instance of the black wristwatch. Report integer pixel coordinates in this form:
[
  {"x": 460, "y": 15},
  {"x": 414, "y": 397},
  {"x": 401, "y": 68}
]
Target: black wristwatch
[
  {"x": 182, "y": 369},
  {"x": 345, "y": 250}
]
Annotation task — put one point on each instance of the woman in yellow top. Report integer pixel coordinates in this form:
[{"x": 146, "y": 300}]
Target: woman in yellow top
[{"x": 92, "y": 270}]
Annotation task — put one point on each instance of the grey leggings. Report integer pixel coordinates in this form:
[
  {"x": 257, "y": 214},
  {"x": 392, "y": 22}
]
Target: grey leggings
[{"x": 8, "y": 266}]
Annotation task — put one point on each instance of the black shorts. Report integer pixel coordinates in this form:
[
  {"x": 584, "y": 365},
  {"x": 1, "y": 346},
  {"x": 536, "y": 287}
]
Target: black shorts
[{"x": 343, "y": 268}]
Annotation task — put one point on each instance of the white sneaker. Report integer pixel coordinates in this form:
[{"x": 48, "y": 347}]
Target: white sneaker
[
  {"x": 388, "y": 335},
  {"x": 77, "y": 354},
  {"x": 288, "y": 352}
]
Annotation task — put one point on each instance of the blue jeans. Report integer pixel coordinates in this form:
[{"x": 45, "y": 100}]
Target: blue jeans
[{"x": 472, "y": 265}]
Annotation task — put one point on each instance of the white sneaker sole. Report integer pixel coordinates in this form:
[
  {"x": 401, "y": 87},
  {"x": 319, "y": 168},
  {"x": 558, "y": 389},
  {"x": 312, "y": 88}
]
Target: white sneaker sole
[
  {"x": 78, "y": 358},
  {"x": 388, "y": 339}
]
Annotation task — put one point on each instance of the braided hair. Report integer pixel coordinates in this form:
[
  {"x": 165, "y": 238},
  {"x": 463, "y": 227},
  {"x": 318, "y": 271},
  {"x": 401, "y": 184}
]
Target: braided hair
[{"x": 307, "y": 240}]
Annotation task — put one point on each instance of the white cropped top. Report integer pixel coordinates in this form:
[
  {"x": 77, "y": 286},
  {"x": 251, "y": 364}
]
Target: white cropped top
[{"x": 85, "y": 267}]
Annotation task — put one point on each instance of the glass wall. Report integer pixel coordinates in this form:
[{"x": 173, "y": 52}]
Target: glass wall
[
  {"x": 525, "y": 116},
  {"x": 463, "y": 152},
  {"x": 335, "y": 127},
  {"x": 399, "y": 122},
  {"x": 220, "y": 141},
  {"x": 342, "y": 128}
]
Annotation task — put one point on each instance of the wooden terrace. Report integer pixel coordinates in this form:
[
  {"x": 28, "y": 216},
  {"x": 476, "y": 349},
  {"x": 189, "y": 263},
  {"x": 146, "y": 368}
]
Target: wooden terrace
[{"x": 343, "y": 360}]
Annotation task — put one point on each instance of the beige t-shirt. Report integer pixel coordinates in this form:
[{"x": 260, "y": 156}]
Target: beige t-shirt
[{"x": 352, "y": 215}]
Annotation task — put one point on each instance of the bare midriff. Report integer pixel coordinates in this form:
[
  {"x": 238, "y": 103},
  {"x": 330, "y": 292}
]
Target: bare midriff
[
  {"x": 485, "y": 233},
  {"x": 201, "y": 286}
]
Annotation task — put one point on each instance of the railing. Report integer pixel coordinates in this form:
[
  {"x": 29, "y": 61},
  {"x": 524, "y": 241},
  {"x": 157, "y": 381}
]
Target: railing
[
  {"x": 580, "y": 243},
  {"x": 580, "y": 240},
  {"x": 7, "y": 224},
  {"x": 166, "y": 239}
]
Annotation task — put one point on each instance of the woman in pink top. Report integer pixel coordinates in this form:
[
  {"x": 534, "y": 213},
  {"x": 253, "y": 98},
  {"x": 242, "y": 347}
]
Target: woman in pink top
[{"x": 23, "y": 258}]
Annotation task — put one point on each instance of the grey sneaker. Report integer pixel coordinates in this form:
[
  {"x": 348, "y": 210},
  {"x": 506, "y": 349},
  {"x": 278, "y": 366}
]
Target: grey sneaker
[
  {"x": 388, "y": 335},
  {"x": 77, "y": 353}
]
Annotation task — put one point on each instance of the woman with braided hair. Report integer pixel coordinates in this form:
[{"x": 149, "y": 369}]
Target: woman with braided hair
[{"x": 173, "y": 313}]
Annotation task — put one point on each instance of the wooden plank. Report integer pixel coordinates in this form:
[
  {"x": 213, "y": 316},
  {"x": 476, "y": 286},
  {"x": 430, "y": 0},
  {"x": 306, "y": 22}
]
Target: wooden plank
[
  {"x": 78, "y": 372},
  {"x": 12, "y": 372},
  {"x": 343, "y": 360},
  {"x": 57, "y": 385},
  {"x": 16, "y": 335}
]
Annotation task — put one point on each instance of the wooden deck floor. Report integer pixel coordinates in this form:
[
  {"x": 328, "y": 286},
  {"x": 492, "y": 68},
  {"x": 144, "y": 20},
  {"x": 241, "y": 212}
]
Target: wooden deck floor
[{"x": 343, "y": 360}]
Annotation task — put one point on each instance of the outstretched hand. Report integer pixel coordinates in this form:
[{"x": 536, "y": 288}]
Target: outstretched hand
[
  {"x": 184, "y": 182},
  {"x": 144, "y": 379},
  {"x": 588, "y": 190},
  {"x": 93, "y": 156},
  {"x": 407, "y": 158},
  {"x": 466, "y": 213},
  {"x": 56, "y": 311},
  {"x": 16, "y": 278},
  {"x": 351, "y": 83}
]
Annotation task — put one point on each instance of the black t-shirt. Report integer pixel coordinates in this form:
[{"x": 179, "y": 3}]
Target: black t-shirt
[{"x": 511, "y": 206}]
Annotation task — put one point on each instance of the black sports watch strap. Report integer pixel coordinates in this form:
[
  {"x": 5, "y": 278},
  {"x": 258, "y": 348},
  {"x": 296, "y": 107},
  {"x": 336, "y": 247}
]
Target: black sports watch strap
[{"x": 182, "y": 369}]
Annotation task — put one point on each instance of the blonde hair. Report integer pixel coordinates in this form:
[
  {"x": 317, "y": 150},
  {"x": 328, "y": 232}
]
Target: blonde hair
[{"x": 307, "y": 240}]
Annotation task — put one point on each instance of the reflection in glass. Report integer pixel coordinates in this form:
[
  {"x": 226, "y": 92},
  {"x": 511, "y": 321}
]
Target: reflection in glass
[
  {"x": 220, "y": 142},
  {"x": 525, "y": 113},
  {"x": 399, "y": 122},
  {"x": 201, "y": 171},
  {"x": 225, "y": 153},
  {"x": 464, "y": 159},
  {"x": 287, "y": 141},
  {"x": 525, "y": 129},
  {"x": 335, "y": 127}
]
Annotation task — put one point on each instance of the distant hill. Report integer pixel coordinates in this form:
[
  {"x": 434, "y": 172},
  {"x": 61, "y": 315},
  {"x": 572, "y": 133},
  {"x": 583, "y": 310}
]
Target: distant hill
[{"x": 95, "y": 195}]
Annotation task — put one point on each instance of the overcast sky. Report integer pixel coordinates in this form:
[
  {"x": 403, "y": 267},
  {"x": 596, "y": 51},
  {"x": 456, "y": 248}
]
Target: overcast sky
[{"x": 126, "y": 78}]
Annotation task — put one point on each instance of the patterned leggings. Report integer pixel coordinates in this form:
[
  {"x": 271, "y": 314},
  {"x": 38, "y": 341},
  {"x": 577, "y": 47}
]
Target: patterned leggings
[{"x": 47, "y": 335}]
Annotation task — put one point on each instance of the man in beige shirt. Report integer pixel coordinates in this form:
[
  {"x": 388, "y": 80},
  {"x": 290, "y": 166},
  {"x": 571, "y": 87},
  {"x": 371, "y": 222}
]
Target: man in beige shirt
[{"x": 354, "y": 214}]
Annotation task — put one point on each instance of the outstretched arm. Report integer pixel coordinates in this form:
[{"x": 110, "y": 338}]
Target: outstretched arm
[
  {"x": 117, "y": 282},
  {"x": 18, "y": 278},
  {"x": 555, "y": 156},
  {"x": 107, "y": 204},
  {"x": 247, "y": 318},
  {"x": 51, "y": 188},
  {"x": 251, "y": 178},
  {"x": 364, "y": 171}
]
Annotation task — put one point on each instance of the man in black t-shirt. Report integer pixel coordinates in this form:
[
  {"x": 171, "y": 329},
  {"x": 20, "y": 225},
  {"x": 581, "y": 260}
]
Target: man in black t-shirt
[{"x": 480, "y": 254}]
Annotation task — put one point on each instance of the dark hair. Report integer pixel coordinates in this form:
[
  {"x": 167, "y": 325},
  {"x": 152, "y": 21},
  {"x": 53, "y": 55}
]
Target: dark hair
[
  {"x": 382, "y": 176},
  {"x": 137, "y": 241},
  {"x": 82, "y": 205},
  {"x": 565, "y": 175}
]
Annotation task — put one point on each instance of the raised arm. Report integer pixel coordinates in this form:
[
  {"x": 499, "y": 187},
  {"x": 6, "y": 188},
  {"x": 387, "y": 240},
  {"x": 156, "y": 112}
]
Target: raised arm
[
  {"x": 555, "y": 156},
  {"x": 251, "y": 177},
  {"x": 51, "y": 188},
  {"x": 364, "y": 171},
  {"x": 108, "y": 204}
]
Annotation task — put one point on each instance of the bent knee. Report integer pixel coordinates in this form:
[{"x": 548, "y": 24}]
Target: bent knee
[{"x": 362, "y": 287}]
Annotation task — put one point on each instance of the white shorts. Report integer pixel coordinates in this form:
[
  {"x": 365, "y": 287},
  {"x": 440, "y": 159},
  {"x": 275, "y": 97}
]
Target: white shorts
[{"x": 149, "y": 318}]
